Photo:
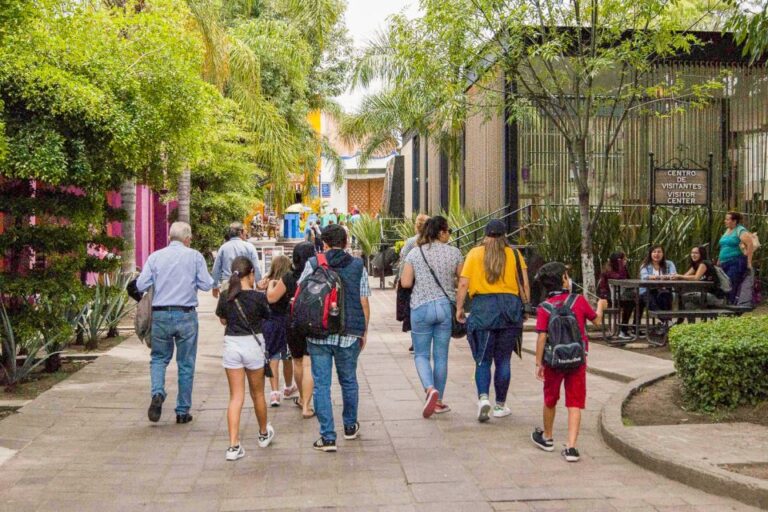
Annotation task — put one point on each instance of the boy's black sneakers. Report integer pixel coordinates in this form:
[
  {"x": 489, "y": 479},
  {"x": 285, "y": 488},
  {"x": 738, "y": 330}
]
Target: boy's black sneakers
[
  {"x": 325, "y": 445},
  {"x": 351, "y": 431},
  {"x": 537, "y": 436},
  {"x": 155, "y": 408},
  {"x": 571, "y": 454}
]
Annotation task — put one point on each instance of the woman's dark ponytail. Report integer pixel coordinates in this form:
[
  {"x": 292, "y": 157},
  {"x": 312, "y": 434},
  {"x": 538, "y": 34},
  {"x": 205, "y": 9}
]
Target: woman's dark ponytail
[{"x": 241, "y": 267}]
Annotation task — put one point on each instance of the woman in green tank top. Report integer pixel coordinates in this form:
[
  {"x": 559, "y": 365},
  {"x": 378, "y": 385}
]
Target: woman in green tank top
[{"x": 731, "y": 259}]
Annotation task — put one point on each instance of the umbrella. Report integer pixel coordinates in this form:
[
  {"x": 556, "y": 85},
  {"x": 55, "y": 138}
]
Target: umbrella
[{"x": 298, "y": 208}]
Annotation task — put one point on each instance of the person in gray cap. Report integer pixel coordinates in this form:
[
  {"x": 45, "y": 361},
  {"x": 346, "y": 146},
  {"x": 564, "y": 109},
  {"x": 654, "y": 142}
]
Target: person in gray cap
[{"x": 495, "y": 277}]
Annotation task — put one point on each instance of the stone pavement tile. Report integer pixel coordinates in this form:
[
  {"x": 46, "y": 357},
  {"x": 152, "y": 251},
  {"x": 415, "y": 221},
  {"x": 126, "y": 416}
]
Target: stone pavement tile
[
  {"x": 446, "y": 492},
  {"x": 464, "y": 506},
  {"x": 512, "y": 506},
  {"x": 545, "y": 493},
  {"x": 18, "y": 505},
  {"x": 426, "y": 472}
]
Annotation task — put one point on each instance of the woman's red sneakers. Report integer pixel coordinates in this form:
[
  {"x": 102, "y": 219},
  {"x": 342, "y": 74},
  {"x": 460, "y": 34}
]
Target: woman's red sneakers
[{"x": 429, "y": 406}]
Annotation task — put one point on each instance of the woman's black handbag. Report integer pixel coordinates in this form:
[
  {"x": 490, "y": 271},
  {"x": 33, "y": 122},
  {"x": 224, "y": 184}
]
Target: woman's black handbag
[
  {"x": 403, "y": 303},
  {"x": 458, "y": 329}
]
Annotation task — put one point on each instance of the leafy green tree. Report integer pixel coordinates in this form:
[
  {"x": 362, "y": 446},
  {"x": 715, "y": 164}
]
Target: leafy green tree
[
  {"x": 750, "y": 24},
  {"x": 570, "y": 63},
  {"x": 91, "y": 94}
]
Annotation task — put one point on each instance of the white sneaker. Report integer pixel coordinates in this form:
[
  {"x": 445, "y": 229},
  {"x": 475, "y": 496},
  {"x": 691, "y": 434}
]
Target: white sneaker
[
  {"x": 624, "y": 336},
  {"x": 235, "y": 452},
  {"x": 501, "y": 411},
  {"x": 483, "y": 410},
  {"x": 265, "y": 441},
  {"x": 275, "y": 398},
  {"x": 290, "y": 392}
]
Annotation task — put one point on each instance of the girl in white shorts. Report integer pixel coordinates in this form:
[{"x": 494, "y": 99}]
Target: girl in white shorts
[{"x": 242, "y": 310}]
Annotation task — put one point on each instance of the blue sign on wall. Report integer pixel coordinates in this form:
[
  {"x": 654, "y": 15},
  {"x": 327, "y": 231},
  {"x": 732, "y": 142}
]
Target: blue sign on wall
[{"x": 325, "y": 189}]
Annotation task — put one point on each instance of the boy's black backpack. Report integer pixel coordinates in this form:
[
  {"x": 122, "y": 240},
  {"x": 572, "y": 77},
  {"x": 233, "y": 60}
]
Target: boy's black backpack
[
  {"x": 564, "y": 348},
  {"x": 317, "y": 308}
]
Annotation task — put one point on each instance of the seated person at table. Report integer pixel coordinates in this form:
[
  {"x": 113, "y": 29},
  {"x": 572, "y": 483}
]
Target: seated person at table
[
  {"x": 655, "y": 266},
  {"x": 702, "y": 269},
  {"x": 616, "y": 268}
]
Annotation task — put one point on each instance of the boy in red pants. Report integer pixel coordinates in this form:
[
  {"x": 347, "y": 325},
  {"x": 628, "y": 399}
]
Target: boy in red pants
[{"x": 556, "y": 283}]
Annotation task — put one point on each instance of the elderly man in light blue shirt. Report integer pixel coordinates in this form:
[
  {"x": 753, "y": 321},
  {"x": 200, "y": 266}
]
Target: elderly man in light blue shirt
[
  {"x": 177, "y": 273},
  {"x": 234, "y": 246}
]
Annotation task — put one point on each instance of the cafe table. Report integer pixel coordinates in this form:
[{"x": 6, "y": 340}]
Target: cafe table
[{"x": 678, "y": 286}]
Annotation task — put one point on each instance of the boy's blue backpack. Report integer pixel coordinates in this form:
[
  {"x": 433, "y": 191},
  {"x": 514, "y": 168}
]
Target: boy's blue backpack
[{"x": 564, "y": 349}]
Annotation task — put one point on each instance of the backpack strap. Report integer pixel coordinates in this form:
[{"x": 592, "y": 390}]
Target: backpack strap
[
  {"x": 322, "y": 260},
  {"x": 548, "y": 307},
  {"x": 571, "y": 300}
]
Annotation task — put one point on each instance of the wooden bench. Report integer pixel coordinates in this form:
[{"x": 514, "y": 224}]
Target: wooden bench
[
  {"x": 737, "y": 310},
  {"x": 658, "y": 334}
]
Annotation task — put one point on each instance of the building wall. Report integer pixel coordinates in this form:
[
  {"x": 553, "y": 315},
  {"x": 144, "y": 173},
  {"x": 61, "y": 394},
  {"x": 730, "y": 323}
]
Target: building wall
[
  {"x": 484, "y": 153},
  {"x": 434, "y": 178},
  {"x": 407, "y": 152}
]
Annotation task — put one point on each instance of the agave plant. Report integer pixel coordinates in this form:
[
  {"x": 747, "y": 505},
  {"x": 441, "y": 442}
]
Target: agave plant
[
  {"x": 107, "y": 308},
  {"x": 37, "y": 349},
  {"x": 367, "y": 231}
]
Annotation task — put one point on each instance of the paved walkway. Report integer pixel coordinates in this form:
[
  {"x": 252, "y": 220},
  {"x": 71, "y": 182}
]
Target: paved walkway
[{"x": 86, "y": 445}]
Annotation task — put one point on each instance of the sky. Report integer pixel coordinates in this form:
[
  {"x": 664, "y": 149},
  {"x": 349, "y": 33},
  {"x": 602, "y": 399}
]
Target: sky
[{"x": 364, "y": 18}]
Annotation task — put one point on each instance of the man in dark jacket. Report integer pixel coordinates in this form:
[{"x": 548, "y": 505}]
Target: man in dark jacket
[{"x": 344, "y": 348}]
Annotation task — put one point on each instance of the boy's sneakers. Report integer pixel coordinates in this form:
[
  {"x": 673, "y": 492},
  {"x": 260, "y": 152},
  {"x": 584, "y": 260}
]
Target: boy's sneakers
[
  {"x": 483, "y": 410},
  {"x": 266, "y": 439},
  {"x": 537, "y": 436},
  {"x": 570, "y": 454},
  {"x": 325, "y": 445},
  {"x": 499, "y": 411},
  {"x": 351, "y": 432},
  {"x": 235, "y": 452},
  {"x": 442, "y": 408},
  {"x": 429, "y": 405}
]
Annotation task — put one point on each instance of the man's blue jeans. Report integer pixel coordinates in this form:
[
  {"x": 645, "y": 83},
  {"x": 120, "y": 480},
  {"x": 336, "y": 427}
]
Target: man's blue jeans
[
  {"x": 495, "y": 347},
  {"x": 323, "y": 357},
  {"x": 169, "y": 328},
  {"x": 431, "y": 332}
]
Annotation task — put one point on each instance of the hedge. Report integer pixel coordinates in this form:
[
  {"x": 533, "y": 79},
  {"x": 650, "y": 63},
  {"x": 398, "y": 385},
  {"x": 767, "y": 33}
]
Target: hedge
[{"x": 723, "y": 363}]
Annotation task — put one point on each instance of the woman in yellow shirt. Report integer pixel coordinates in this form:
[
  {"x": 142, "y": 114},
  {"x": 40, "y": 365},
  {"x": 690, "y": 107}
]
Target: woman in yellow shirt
[{"x": 490, "y": 276}]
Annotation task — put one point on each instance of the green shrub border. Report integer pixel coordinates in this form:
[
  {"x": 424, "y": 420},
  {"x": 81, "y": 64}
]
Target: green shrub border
[{"x": 723, "y": 363}]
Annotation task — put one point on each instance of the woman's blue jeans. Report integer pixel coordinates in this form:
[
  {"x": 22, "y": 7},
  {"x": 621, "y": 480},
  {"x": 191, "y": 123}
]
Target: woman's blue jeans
[
  {"x": 431, "y": 331},
  {"x": 494, "y": 346},
  {"x": 736, "y": 269}
]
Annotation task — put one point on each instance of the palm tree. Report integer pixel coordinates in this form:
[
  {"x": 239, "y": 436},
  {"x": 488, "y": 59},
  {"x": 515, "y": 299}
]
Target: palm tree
[{"x": 424, "y": 91}]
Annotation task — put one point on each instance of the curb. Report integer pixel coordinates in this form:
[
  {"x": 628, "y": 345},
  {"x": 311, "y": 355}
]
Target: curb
[{"x": 708, "y": 478}]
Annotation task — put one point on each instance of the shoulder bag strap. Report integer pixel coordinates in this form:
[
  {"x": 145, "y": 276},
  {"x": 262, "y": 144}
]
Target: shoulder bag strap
[
  {"x": 424, "y": 257},
  {"x": 244, "y": 318}
]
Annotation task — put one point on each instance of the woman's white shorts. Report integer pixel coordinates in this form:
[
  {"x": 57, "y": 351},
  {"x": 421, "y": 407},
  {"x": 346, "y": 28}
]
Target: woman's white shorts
[{"x": 243, "y": 352}]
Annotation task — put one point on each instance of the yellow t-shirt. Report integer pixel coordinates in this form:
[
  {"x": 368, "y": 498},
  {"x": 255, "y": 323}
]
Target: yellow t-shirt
[{"x": 474, "y": 270}]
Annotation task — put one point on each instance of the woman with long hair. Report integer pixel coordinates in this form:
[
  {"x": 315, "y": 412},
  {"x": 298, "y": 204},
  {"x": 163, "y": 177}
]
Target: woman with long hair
[
  {"x": 276, "y": 332},
  {"x": 281, "y": 292},
  {"x": 243, "y": 311},
  {"x": 656, "y": 266},
  {"x": 701, "y": 268},
  {"x": 616, "y": 268},
  {"x": 495, "y": 277},
  {"x": 431, "y": 270}
]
